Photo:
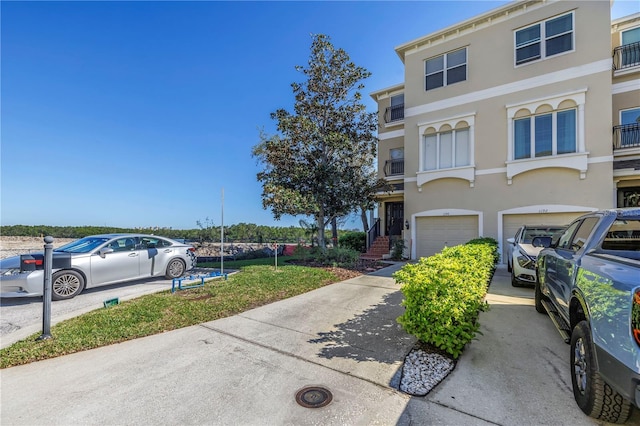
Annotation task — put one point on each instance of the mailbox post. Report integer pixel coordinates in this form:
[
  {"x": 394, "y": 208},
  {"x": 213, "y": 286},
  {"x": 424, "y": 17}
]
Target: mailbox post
[
  {"x": 275, "y": 251},
  {"x": 46, "y": 295}
]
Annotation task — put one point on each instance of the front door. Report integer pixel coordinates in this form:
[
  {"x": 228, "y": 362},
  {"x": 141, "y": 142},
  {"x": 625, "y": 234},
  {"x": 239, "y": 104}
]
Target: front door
[{"x": 394, "y": 218}]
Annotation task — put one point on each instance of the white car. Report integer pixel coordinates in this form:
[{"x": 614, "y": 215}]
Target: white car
[
  {"x": 521, "y": 257},
  {"x": 94, "y": 261}
]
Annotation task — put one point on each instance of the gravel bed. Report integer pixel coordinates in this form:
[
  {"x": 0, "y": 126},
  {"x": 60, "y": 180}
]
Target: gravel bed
[{"x": 422, "y": 371}]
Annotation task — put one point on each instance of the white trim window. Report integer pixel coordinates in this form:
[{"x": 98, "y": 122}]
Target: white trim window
[
  {"x": 446, "y": 150},
  {"x": 544, "y": 39},
  {"x": 630, "y": 40},
  {"x": 547, "y": 133},
  {"x": 543, "y": 135},
  {"x": 446, "y": 69},
  {"x": 396, "y": 108}
]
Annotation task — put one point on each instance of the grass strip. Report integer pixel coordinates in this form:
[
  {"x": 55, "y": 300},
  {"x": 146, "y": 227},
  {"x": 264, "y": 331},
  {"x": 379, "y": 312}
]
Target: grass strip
[{"x": 165, "y": 311}]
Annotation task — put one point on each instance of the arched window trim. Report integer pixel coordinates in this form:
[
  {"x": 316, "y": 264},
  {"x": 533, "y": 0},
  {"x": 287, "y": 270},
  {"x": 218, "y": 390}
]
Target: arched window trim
[
  {"x": 465, "y": 172},
  {"x": 575, "y": 160}
]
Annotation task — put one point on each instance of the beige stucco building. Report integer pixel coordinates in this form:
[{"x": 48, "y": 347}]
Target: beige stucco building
[{"x": 527, "y": 114}]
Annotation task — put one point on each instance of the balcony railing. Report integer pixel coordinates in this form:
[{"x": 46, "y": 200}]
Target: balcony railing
[
  {"x": 394, "y": 113},
  {"x": 394, "y": 167},
  {"x": 626, "y": 56},
  {"x": 626, "y": 136}
]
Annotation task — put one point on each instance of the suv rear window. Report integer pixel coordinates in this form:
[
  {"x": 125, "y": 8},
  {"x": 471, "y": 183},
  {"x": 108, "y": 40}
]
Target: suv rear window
[{"x": 623, "y": 235}]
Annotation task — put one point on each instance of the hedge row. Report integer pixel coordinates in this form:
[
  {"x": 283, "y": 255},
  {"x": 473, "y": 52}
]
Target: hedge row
[{"x": 444, "y": 294}]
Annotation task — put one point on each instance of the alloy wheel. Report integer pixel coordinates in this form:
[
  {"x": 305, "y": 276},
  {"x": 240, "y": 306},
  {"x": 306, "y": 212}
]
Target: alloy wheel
[
  {"x": 580, "y": 366},
  {"x": 66, "y": 285}
]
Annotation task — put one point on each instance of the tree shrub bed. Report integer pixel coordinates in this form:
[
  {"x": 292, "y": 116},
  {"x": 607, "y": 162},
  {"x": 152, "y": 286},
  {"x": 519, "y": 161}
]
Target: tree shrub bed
[{"x": 444, "y": 294}]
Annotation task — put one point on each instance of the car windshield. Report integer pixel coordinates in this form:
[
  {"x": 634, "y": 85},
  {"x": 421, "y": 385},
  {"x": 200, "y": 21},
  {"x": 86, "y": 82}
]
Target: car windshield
[
  {"x": 531, "y": 233},
  {"x": 84, "y": 245}
]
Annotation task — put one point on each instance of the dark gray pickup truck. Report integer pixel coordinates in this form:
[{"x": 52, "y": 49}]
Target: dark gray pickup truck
[{"x": 589, "y": 284}]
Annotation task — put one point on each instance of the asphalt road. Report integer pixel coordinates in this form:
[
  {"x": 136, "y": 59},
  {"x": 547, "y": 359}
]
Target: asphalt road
[{"x": 23, "y": 316}]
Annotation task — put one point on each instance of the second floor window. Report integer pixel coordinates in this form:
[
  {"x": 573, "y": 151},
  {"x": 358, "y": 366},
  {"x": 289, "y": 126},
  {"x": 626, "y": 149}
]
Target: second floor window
[
  {"x": 631, "y": 47},
  {"x": 544, "y": 39},
  {"x": 545, "y": 134},
  {"x": 396, "y": 111},
  {"x": 446, "y": 150},
  {"x": 446, "y": 69}
]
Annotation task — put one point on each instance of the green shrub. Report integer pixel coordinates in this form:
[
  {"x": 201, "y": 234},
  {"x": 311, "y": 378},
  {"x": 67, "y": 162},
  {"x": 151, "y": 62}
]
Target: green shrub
[
  {"x": 338, "y": 257},
  {"x": 353, "y": 240},
  {"x": 489, "y": 241},
  {"x": 302, "y": 252},
  {"x": 398, "y": 249},
  {"x": 444, "y": 295}
]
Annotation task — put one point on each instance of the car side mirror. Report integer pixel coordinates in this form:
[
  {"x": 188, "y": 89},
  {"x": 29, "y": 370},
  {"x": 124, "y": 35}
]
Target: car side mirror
[
  {"x": 541, "y": 242},
  {"x": 105, "y": 250},
  {"x": 511, "y": 240}
]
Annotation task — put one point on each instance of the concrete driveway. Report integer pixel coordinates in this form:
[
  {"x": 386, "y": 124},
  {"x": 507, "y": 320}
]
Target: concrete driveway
[{"x": 247, "y": 369}]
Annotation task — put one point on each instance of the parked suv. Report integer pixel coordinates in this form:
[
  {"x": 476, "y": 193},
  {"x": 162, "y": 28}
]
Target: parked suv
[{"x": 521, "y": 257}]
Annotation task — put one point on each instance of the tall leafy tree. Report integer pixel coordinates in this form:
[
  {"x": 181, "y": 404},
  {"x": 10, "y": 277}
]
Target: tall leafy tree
[{"x": 323, "y": 151}]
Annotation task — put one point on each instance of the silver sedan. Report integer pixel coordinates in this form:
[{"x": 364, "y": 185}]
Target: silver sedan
[{"x": 94, "y": 261}]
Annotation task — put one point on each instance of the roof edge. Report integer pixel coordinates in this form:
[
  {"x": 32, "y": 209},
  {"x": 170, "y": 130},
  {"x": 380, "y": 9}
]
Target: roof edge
[{"x": 471, "y": 23}]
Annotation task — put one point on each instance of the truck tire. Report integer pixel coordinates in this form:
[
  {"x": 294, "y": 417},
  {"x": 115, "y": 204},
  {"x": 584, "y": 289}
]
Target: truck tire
[
  {"x": 538, "y": 297},
  {"x": 592, "y": 394}
]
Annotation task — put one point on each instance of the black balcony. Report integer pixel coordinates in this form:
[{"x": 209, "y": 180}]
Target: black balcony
[
  {"x": 394, "y": 167},
  {"x": 626, "y": 136},
  {"x": 626, "y": 56},
  {"x": 394, "y": 113}
]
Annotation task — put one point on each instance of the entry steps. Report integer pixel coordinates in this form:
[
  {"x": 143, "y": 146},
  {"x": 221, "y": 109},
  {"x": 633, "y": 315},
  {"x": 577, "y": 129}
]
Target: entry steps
[{"x": 194, "y": 281}]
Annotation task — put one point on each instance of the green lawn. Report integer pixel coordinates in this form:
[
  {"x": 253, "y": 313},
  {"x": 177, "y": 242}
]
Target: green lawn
[{"x": 253, "y": 286}]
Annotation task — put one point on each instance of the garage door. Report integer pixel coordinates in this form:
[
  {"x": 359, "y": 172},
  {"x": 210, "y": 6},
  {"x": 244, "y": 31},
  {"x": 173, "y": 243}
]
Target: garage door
[
  {"x": 511, "y": 223},
  {"x": 434, "y": 233}
]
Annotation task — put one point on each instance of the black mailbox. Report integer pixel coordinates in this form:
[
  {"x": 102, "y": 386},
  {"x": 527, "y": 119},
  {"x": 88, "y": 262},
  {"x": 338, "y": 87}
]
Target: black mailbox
[
  {"x": 61, "y": 261},
  {"x": 30, "y": 263}
]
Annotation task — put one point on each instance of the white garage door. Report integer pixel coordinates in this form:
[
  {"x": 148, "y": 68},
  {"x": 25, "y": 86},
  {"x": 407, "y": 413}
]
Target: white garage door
[
  {"x": 434, "y": 233},
  {"x": 512, "y": 222}
]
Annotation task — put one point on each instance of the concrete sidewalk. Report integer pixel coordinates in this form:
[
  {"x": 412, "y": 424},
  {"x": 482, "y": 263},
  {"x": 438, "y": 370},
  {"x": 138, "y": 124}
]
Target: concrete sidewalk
[{"x": 246, "y": 369}]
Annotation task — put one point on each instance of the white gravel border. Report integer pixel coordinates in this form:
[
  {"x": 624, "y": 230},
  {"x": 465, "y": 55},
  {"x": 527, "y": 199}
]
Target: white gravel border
[{"x": 422, "y": 371}]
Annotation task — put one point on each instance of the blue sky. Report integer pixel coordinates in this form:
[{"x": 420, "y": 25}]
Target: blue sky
[{"x": 137, "y": 114}]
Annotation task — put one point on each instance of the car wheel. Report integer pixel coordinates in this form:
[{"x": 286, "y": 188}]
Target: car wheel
[
  {"x": 593, "y": 395},
  {"x": 66, "y": 285},
  {"x": 175, "y": 269},
  {"x": 538, "y": 297},
  {"x": 514, "y": 280}
]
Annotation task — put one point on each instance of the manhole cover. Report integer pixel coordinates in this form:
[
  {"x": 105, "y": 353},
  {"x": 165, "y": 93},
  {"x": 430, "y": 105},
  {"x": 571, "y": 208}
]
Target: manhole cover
[{"x": 313, "y": 397}]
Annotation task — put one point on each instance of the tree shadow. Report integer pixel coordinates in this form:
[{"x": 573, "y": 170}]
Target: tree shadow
[{"x": 373, "y": 335}]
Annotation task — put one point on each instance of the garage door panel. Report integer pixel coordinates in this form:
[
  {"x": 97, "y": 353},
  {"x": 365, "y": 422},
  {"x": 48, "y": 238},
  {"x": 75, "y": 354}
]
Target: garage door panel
[
  {"x": 512, "y": 222},
  {"x": 434, "y": 233}
]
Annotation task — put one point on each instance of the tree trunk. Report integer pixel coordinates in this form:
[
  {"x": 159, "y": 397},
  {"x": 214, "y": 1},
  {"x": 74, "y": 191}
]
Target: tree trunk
[
  {"x": 320, "y": 221},
  {"x": 365, "y": 222},
  {"x": 334, "y": 232}
]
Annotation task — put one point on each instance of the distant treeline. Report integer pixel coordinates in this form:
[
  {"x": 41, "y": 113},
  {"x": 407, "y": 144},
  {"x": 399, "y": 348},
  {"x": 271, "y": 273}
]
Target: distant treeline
[{"x": 242, "y": 232}]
